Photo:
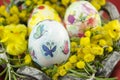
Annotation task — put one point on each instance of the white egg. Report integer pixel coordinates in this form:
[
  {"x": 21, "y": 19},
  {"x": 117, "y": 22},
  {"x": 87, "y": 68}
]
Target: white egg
[
  {"x": 49, "y": 43},
  {"x": 79, "y": 16}
]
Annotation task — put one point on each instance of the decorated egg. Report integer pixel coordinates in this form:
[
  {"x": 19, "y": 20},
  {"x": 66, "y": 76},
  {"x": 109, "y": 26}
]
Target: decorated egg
[
  {"x": 49, "y": 43},
  {"x": 79, "y": 16},
  {"x": 40, "y": 13}
]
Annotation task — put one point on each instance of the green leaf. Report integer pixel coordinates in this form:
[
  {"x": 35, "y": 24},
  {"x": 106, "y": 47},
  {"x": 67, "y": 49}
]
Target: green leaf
[{"x": 54, "y": 70}]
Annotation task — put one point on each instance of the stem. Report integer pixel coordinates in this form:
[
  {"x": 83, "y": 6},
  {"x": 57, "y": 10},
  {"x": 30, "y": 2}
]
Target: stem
[
  {"x": 6, "y": 76},
  {"x": 17, "y": 66},
  {"x": 93, "y": 71},
  {"x": 79, "y": 74},
  {"x": 14, "y": 59},
  {"x": 3, "y": 71},
  {"x": 92, "y": 77},
  {"x": 9, "y": 70},
  {"x": 14, "y": 77},
  {"x": 17, "y": 74},
  {"x": 96, "y": 78},
  {"x": 86, "y": 71}
]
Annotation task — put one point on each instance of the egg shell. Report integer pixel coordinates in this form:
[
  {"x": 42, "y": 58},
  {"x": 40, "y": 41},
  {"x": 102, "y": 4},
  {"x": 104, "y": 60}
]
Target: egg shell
[
  {"x": 79, "y": 16},
  {"x": 49, "y": 43},
  {"x": 40, "y": 13}
]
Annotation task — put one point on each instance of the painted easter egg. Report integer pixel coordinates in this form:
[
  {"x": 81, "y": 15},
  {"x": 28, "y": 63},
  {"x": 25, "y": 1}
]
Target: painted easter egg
[
  {"x": 40, "y": 13},
  {"x": 79, "y": 16},
  {"x": 49, "y": 43}
]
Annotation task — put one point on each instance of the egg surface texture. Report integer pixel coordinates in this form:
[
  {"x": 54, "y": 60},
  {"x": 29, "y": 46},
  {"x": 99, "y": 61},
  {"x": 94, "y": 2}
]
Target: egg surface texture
[
  {"x": 49, "y": 43},
  {"x": 80, "y": 16},
  {"x": 40, "y": 13}
]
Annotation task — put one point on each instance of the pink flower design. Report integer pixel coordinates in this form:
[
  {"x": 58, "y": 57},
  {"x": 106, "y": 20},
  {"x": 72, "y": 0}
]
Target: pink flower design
[{"x": 91, "y": 22}]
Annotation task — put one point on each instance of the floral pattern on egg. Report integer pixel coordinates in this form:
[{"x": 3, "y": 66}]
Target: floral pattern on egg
[{"x": 79, "y": 16}]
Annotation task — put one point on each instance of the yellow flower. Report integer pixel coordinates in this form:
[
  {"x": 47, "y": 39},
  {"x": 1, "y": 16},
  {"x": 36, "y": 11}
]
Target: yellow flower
[
  {"x": 97, "y": 50},
  {"x": 61, "y": 9},
  {"x": 68, "y": 65},
  {"x": 102, "y": 42},
  {"x": 101, "y": 2},
  {"x": 27, "y": 59},
  {"x": 28, "y": 2},
  {"x": 86, "y": 49},
  {"x": 40, "y": 2},
  {"x": 89, "y": 58},
  {"x": 53, "y": 1},
  {"x": 54, "y": 6},
  {"x": 2, "y": 20},
  {"x": 84, "y": 41},
  {"x": 73, "y": 59},
  {"x": 97, "y": 32},
  {"x": 14, "y": 10},
  {"x": 80, "y": 64},
  {"x": 109, "y": 49},
  {"x": 109, "y": 40},
  {"x": 87, "y": 33},
  {"x": 95, "y": 4},
  {"x": 2, "y": 8},
  {"x": 14, "y": 39},
  {"x": 73, "y": 46},
  {"x": 35, "y": 1},
  {"x": 13, "y": 19},
  {"x": 1, "y": 31},
  {"x": 113, "y": 29},
  {"x": 80, "y": 55},
  {"x": 47, "y": 3},
  {"x": 5, "y": 14},
  {"x": 62, "y": 72},
  {"x": 55, "y": 77},
  {"x": 16, "y": 48},
  {"x": 23, "y": 15},
  {"x": 65, "y": 2},
  {"x": 72, "y": 1}
]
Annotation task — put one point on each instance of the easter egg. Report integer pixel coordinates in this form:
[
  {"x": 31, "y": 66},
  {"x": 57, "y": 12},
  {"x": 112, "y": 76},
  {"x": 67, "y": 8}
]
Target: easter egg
[
  {"x": 80, "y": 16},
  {"x": 40, "y": 13},
  {"x": 49, "y": 43}
]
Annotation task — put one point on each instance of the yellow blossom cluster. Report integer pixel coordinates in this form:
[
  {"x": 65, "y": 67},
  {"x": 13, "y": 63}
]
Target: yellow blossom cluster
[
  {"x": 98, "y": 3},
  {"x": 21, "y": 13},
  {"x": 85, "y": 50},
  {"x": 13, "y": 38},
  {"x": 59, "y": 5},
  {"x": 13, "y": 15},
  {"x": 97, "y": 41}
]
